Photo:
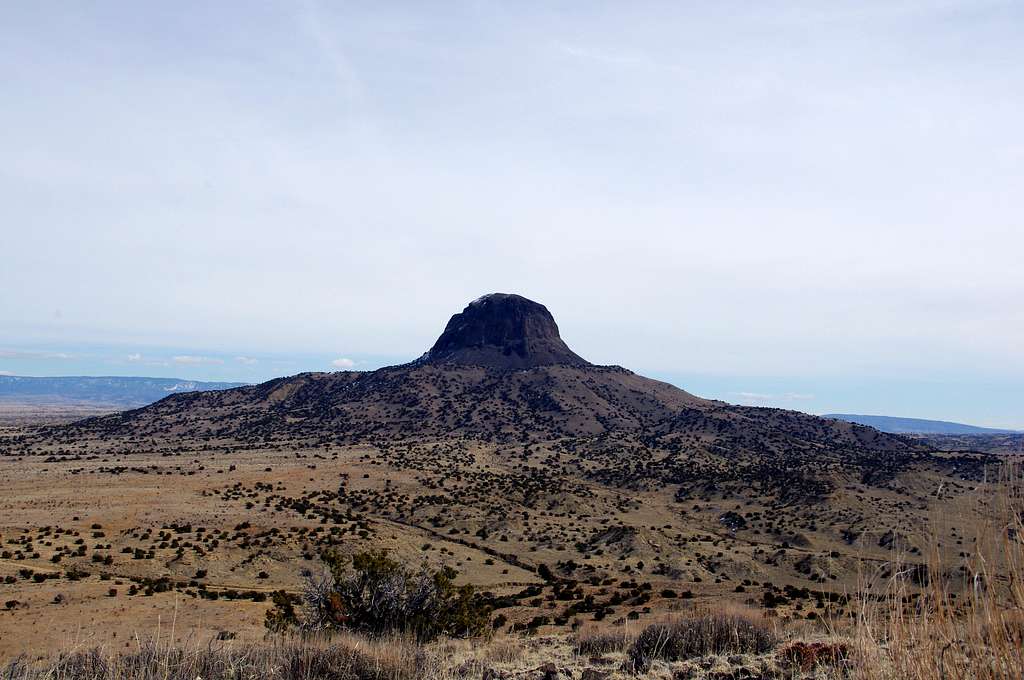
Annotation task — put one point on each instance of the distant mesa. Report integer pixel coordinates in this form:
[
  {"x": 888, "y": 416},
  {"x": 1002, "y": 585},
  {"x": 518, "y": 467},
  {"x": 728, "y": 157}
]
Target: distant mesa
[
  {"x": 107, "y": 390},
  {"x": 503, "y": 330},
  {"x": 894, "y": 425}
]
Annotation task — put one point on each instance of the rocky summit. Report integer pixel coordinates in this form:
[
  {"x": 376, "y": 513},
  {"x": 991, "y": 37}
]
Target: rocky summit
[{"x": 502, "y": 330}]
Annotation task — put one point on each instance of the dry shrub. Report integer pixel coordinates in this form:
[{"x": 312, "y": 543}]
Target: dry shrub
[
  {"x": 712, "y": 633},
  {"x": 810, "y": 655}
]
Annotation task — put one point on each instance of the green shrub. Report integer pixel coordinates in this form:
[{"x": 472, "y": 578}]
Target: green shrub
[
  {"x": 283, "y": 615},
  {"x": 376, "y": 594}
]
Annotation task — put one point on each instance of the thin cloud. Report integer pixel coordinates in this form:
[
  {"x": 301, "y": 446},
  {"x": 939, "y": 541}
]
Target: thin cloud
[
  {"x": 324, "y": 38},
  {"x": 763, "y": 398},
  {"x": 189, "y": 360},
  {"x": 615, "y": 58},
  {"x": 248, "y": 361},
  {"x": 28, "y": 354},
  {"x": 343, "y": 363}
]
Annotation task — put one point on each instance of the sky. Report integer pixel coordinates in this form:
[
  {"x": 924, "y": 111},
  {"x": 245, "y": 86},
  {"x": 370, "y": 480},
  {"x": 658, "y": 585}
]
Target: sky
[{"x": 818, "y": 206}]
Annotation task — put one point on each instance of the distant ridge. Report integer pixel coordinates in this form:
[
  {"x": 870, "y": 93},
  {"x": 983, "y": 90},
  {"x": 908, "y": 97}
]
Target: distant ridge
[
  {"x": 101, "y": 390},
  {"x": 894, "y": 425}
]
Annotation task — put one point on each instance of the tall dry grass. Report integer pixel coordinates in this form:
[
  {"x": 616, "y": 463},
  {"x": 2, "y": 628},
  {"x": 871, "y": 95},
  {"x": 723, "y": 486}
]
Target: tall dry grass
[
  {"x": 342, "y": 658},
  {"x": 700, "y": 635},
  {"x": 964, "y": 617}
]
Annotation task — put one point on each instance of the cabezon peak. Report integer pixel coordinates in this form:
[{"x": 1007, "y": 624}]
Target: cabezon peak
[{"x": 503, "y": 330}]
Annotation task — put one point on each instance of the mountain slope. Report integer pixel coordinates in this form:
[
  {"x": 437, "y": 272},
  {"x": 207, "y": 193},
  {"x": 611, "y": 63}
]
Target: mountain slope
[{"x": 423, "y": 401}]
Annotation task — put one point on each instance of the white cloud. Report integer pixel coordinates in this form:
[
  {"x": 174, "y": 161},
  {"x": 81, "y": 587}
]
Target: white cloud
[
  {"x": 343, "y": 363},
  {"x": 6, "y": 373},
  {"x": 194, "y": 360},
  {"x": 135, "y": 357},
  {"x": 248, "y": 361},
  {"x": 29, "y": 354}
]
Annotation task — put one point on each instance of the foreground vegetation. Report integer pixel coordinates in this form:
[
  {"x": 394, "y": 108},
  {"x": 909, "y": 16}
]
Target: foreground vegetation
[
  {"x": 962, "y": 620},
  {"x": 954, "y": 621}
]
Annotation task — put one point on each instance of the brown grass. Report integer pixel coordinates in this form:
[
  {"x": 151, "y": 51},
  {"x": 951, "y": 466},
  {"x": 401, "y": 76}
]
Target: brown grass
[
  {"x": 701, "y": 635},
  {"x": 343, "y": 658},
  {"x": 597, "y": 642},
  {"x": 967, "y": 622}
]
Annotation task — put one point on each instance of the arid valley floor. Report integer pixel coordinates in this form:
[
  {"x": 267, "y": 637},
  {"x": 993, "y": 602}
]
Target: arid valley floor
[
  {"x": 99, "y": 546},
  {"x": 569, "y": 494}
]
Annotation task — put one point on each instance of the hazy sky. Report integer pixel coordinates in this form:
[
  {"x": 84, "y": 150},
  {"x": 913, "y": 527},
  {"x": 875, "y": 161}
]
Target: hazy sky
[{"x": 812, "y": 205}]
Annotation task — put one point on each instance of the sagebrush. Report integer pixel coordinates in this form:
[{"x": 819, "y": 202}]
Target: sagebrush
[{"x": 375, "y": 594}]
